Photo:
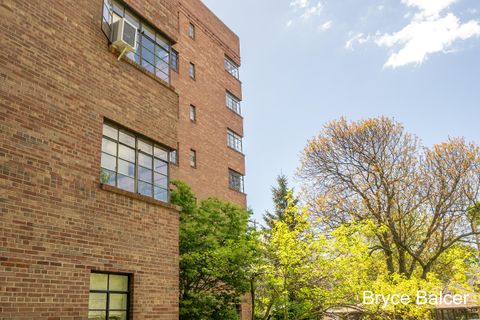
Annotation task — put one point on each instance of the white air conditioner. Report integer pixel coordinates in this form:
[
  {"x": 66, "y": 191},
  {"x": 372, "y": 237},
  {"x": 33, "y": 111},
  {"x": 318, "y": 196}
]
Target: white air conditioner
[{"x": 124, "y": 36}]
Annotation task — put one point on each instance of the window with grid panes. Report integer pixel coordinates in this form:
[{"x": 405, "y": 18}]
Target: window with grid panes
[
  {"x": 232, "y": 102},
  {"x": 235, "y": 180},
  {"x": 234, "y": 140},
  {"x": 152, "y": 51},
  {"x": 232, "y": 67},
  {"x": 134, "y": 164},
  {"x": 109, "y": 296}
]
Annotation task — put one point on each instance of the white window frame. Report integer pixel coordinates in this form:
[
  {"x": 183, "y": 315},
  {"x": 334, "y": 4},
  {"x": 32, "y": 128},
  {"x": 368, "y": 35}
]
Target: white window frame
[
  {"x": 233, "y": 103},
  {"x": 234, "y": 140}
]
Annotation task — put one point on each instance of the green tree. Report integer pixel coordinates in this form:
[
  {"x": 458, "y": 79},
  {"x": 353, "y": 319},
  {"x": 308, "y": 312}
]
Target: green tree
[
  {"x": 217, "y": 250},
  {"x": 292, "y": 278},
  {"x": 280, "y": 197},
  {"x": 473, "y": 214},
  {"x": 306, "y": 274},
  {"x": 374, "y": 170}
]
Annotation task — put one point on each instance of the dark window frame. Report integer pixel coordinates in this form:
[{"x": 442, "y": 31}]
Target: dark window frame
[
  {"x": 236, "y": 175},
  {"x": 138, "y": 57},
  {"x": 192, "y": 111},
  {"x": 191, "y": 31},
  {"x": 193, "y": 158},
  {"x": 137, "y": 180},
  {"x": 174, "y": 56},
  {"x": 192, "y": 71},
  {"x": 174, "y": 157},
  {"x": 108, "y": 292}
]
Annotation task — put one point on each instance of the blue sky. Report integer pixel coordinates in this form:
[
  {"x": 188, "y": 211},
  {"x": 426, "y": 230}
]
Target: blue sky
[{"x": 306, "y": 62}]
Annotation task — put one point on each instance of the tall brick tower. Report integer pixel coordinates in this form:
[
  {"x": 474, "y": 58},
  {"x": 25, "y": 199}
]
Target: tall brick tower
[
  {"x": 210, "y": 126},
  {"x": 210, "y": 123}
]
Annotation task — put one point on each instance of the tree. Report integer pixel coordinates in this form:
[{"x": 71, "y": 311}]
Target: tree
[
  {"x": 306, "y": 275},
  {"x": 280, "y": 196},
  {"x": 473, "y": 215},
  {"x": 374, "y": 170},
  {"x": 217, "y": 250},
  {"x": 291, "y": 277}
]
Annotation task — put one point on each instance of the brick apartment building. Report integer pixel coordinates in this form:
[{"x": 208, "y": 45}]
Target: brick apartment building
[
  {"x": 89, "y": 143},
  {"x": 210, "y": 122}
]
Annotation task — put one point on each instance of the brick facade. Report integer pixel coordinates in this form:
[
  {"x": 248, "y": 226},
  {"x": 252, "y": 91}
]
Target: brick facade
[
  {"x": 59, "y": 80},
  {"x": 208, "y": 135}
]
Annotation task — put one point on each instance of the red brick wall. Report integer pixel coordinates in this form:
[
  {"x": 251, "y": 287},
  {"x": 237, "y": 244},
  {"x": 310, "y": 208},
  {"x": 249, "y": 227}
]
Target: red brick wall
[
  {"x": 208, "y": 136},
  {"x": 58, "y": 80},
  {"x": 163, "y": 14}
]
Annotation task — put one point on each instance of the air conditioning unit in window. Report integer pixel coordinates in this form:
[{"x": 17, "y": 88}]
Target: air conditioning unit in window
[{"x": 124, "y": 36}]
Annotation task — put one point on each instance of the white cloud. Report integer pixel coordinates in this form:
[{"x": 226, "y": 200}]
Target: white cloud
[
  {"x": 326, "y": 26},
  {"x": 432, "y": 28},
  {"x": 429, "y": 8},
  {"x": 300, "y": 4},
  {"x": 306, "y": 9},
  {"x": 359, "y": 38},
  {"x": 421, "y": 38},
  {"x": 312, "y": 10},
  {"x": 289, "y": 23}
]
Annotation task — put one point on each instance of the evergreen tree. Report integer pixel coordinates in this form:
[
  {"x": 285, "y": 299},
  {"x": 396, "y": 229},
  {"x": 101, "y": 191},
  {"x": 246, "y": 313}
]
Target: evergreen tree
[{"x": 280, "y": 196}]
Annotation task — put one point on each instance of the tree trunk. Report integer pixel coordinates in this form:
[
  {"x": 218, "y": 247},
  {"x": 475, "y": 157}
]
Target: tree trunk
[
  {"x": 402, "y": 262},
  {"x": 285, "y": 312},
  {"x": 269, "y": 309},
  {"x": 477, "y": 236},
  {"x": 389, "y": 261},
  {"x": 252, "y": 296},
  {"x": 425, "y": 270}
]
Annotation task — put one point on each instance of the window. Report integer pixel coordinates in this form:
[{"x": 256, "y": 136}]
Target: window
[
  {"x": 152, "y": 50},
  {"x": 133, "y": 163},
  {"x": 232, "y": 68},
  {"x": 193, "y": 158},
  {"x": 174, "y": 62},
  {"x": 193, "y": 113},
  {"x": 235, "y": 180},
  {"x": 109, "y": 296},
  {"x": 191, "y": 31},
  {"x": 232, "y": 102},
  {"x": 234, "y": 140},
  {"x": 192, "y": 71},
  {"x": 174, "y": 157}
]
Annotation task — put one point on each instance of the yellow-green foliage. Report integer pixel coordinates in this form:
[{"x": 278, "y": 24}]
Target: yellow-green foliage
[{"x": 306, "y": 272}]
